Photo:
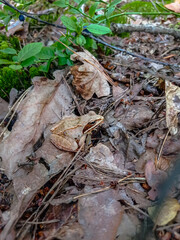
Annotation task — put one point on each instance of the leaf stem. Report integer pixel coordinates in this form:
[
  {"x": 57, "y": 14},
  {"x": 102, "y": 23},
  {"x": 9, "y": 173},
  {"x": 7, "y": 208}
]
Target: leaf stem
[
  {"x": 85, "y": 15},
  {"x": 139, "y": 13}
]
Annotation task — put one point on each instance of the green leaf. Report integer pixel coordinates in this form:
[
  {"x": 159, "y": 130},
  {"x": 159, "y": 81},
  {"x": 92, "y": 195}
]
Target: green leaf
[
  {"x": 77, "y": 1},
  {"x": 45, "y": 67},
  {"x": 70, "y": 62},
  {"x": 15, "y": 59},
  {"x": 59, "y": 53},
  {"x": 80, "y": 40},
  {"x": 7, "y": 8},
  {"x": 6, "y": 20},
  {"x": 73, "y": 11},
  {"x": 90, "y": 43},
  {"x": 92, "y": 9},
  {"x": 114, "y": 3},
  {"x": 9, "y": 51},
  {"x": 45, "y": 53},
  {"x": 29, "y": 50},
  {"x": 2, "y": 15},
  {"x": 98, "y": 29},
  {"x": 61, "y": 3},
  {"x": 81, "y": 3},
  {"x": 109, "y": 11},
  {"x": 62, "y": 61},
  {"x": 15, "y": 67},
  {"x": 28, "y": 62},
  {"x": 5, "y": 61},
  {"x": 68, "y": 51},
  {"x": 69, "y": 23}
]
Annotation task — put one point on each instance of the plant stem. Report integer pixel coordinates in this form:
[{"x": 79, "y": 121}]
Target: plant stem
[
  {"x": 85, "y": 15},
  {"x": 139, "y": 13}
]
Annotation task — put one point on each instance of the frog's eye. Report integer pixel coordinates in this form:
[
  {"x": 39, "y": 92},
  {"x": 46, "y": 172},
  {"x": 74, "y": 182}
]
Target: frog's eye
[{"x": 92, "y": 123}]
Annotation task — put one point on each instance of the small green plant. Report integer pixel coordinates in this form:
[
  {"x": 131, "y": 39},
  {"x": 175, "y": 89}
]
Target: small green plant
[
  {"x": 36, "y": 53},
  {"x": 9, "y": 77},
  {"x": 79, "y": 16}
]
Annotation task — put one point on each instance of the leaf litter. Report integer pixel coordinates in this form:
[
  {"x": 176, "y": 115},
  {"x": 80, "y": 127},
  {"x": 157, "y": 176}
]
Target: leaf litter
[{"x": 110, "y": 187}]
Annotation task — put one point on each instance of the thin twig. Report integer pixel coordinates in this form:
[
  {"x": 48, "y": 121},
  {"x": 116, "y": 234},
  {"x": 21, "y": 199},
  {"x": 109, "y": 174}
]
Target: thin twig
[
  {"x": 15, "y": 107},
  {"x": 100, "y": 190},
  {"x": 167, "y": 227},
  {"x": 160, "y": 151},
  {"x": 45, "y": 222},
  {"x": 29, "y": 15},
  {"x": 137, "y": 209},
  {"x": 129, "y": 53}
]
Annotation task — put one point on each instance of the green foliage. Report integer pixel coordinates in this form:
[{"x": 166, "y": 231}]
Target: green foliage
[
  {"x": 5, "y": 43},
  {"x": 141, "y": 7},
  {"x": 12, "y": 75},
  {"x": 29, "y": 51},
  {"x": 18, "y": 66},
  {"x": 34, "y": 71},
  {"x": 10, "y": 78}
]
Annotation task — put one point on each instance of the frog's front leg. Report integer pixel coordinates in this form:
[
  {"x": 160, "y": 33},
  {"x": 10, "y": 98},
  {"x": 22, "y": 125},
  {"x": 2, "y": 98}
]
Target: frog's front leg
[
  {"x": 64, "y": 142},
  {"x": 82, "y": 140}
]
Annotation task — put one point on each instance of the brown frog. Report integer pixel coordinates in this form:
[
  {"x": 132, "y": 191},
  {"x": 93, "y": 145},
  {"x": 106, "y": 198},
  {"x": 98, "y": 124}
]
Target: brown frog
[{"x": 70, "y": 133}]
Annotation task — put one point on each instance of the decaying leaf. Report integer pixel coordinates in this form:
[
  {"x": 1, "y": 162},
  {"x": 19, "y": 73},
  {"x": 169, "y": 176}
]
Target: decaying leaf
[
  {"x": 161, "y": 215},
  {"x": 48, "y": 101},
  {"x": 44, "y": 105},
  {"x": 154, "y": 178},
  {"x": 15, "y": 27},
  {"x": 135, "y": 115},
  {"x": 103, "y": 158},
  {"x": 99, "y": 215},
  {"x": 90, "y": 77},
  {"x": 3, "y": 108},
  {"x": 129, "y": 232},
  {"x": 68, "y": 232},
  {"x": 172, "y": 106},
  {"x": 175, "y": 6}
]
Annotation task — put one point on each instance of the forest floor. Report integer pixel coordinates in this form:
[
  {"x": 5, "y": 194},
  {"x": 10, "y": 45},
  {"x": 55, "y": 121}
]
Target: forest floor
[{"x": 111, "y": 171}]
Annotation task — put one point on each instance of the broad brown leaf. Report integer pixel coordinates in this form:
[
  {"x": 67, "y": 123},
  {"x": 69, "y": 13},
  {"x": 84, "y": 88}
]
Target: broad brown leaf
[{"x": 90, "y": 77}]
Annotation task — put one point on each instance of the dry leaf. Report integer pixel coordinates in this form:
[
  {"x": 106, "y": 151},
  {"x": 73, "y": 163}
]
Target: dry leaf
[
  {"x": 15, "y": 27},
  {"x": 172, "y": 106},
  {"x": 136, "y": 115},
  {"x": 99, "y": 214},
  {"x": 90, "y": 77},
  {"x": 103, "y": 158},
  {"x": 177, "y": 75},
  {"x": 175, "y": 6},
  {"x": 161, "y": 215},
  {"x": 154, "y": 178},
  {"x": 3, "y": 108},
  {"x": 67, "y": 232},
  {"x": 117, "y": 92},
  {"x": 129, "y": 226},
  {"x": 44, "y": 105}
]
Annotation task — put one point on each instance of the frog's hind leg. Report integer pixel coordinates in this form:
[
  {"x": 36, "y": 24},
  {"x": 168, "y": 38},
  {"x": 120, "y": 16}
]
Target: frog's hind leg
[{"x": 65, "y": 143}]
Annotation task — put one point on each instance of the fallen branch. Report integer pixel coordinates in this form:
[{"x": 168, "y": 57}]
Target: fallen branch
[
  {"x": 119, "y": 28},
  {"x": 30, "y": 15},
  {"x": 130, "y": 53}
]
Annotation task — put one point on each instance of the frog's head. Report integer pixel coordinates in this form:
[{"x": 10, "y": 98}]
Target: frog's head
[{"x": 94, "y": 120}]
